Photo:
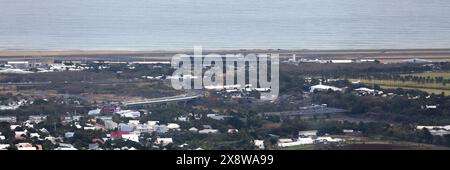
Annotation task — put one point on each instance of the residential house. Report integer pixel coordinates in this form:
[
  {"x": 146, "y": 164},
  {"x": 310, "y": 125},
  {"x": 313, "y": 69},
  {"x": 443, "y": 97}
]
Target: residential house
[
  {"x": 118, "y": 135},
  {"x": 35, "y": 135},
  {"x": 173, "y": 126},
  {"x": 285, "y": 140},
  {"x": 162, "y": 129},
  {"x": 259, "y": 144},
  {"x": 110, "y": 125},
  {"x": 431, "y": 106},
  {"x": 129, "y": 113},
  {"x": 133, "y": 123},
  {"x": 104, "y": 118},
  {"x": 76, "y": 118},
  {"x": 65, "y": 146},
  {"x": 94, "y": 146},
  {"x": 13, "y": 127},
  {"x": 43, "y": 130},
  {"x": 182, "y": 118},
  {"x": 307, "y": 133},
  {"x": 326, "y": 139},
  {"x": 322, "y": 87},
  {"x": 347, "y": 131},
  {"x": 27, "y": 148},
  {"x": 4, "y": 146},
  {"x": 142, "y": 128},
  {"x": 9, "y": 119},
  {"x": 89, "y": 128},
  {"x": 193, "y": 129},
  {"x": 208, "y": 131},
  {"x": 217, "y": 117},
  {"x": 364, "y": 91},
  {"x": 94, "y": 112},
  {"x": 125, "y": 127},
  {"x": 131, "y": 137},
  {"x": 152, "y": 125},
  {"x": 69, "y": 134},
  {"x": 37, "y": 118},
  {"x": 108, "y": 109},
  {"x": 300, "y": 141}
]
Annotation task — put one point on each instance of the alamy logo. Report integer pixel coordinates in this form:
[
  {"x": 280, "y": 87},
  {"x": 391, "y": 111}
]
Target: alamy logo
[{"x": 252, "y": 72}]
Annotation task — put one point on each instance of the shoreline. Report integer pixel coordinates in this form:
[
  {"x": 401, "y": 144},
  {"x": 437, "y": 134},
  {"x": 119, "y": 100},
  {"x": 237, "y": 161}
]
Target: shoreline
[
  {"x": 9, "y": 53},
  {"x": 384, "y": 55}
]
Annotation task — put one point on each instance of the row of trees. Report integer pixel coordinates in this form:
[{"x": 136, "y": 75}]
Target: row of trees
[{"x": 406, "y": 78}]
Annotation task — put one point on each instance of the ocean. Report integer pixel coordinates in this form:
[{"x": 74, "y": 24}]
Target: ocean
[{"x": 226, "y": 24}]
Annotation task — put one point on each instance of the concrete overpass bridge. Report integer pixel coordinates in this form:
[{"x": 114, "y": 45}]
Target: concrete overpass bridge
[{"x": 161, "y": 101}]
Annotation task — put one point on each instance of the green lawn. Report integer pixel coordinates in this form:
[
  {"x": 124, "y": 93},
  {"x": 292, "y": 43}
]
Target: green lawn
[
  {"x": 435, "y": 91},
  {"x": 436, "y": 88}
]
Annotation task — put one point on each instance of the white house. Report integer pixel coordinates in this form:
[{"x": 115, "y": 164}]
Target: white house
[
  {"x": 300, "y": 141},
  {"x": 69, "y": 134},
  {"x": 143, "y": 128},
  {"x": 216, "y": 116},
  {"x": 129, "y": 113},
  {"x": 193, "y": 129},
  {"x": 89, "y": 128},
  {"x": 133, "y": 123},
  {"x": 173, "y": 126},
  {"x": 307, "y": 133},
  {"x": 109, "y": 124},
  {"x": 183, "y": 118},
  {"x": 152, "y": 123},
  {"x": 364, "y": 89},
  {"x": 18, "y": 64},
  {"x": 78, "y": 126},
  {"x": 208, "y": 131},
  {"x": 328, "y": 139},
  {"x": 259, "y": 144},
  {"x": 348, "y": 131},
  {"x": 26, "y": 148},
  {"x": 37, "y": 118},
  {"x": 13, "y": 127},
  {"x": 305, "y": 141},
  {"x": 341, "y": 61},
  {"x": 65, "y": 146},
  {"x": 430, "y": 106},
  {"x": 4, "y": 146},
  {"x": 94, "y": 112},
  {"x": 66, "y": 149},
  {"x": 131, "y": 137},
  {"x": 163, "y": 141},
  {"x": 284, "y": 140},
  {"x": 321, "y": 87},
  {"x": 43, "y": 130},
  {"x": 32, "y": 135}
]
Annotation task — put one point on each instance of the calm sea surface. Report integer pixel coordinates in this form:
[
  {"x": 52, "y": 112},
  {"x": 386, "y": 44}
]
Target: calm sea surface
[{"x": 181, "y": 24}]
